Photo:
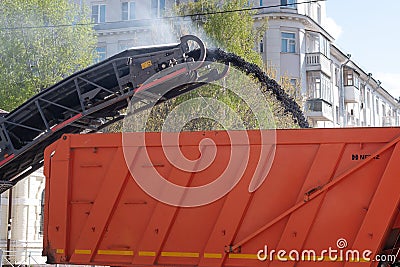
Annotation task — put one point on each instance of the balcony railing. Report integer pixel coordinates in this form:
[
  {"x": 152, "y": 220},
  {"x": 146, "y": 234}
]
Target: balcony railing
[
  {"x": 22, "y": 258},
  {"x": 145, "y": 23},
  {"x": 318, "y": 62}
]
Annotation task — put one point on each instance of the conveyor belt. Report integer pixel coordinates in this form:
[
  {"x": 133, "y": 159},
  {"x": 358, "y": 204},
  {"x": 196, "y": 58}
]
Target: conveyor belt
[{"x": 89, "y": 100}]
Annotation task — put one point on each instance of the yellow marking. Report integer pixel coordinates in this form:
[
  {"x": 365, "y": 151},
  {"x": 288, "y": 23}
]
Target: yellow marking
[
  {"x": 60, "y": 251},
  {"x": 180, "y": 254},
  {"x": 147, "y": 253},
  {"x": 83, "y": 251},
  {"x": 213, "y": 255},
  {"x": 243, "y": 256},
  {"x": 318, "y": 258},
  {"x": 115, "y": 252},
  {"x": 146, "y": 64}
]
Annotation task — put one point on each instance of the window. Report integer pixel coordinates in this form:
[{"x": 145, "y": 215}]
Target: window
[
  {"x": 101, "y": 53},
  {"x": 158, "y": 7},
  {"x": 308, "y": 9},
  {"x": 288, "y": 3},
  {"x": 319, "y": 86},
  {"x": 154, "y": 7},
  {"x": 368, "y": 99},
  {"x": 314, "y": 86},
  {"x": 261, "y": 46},
  {"x": 351, "y": 78},
  {"x": 337, "y": 115},
  {"x": 362, "y": 95},
  {"x": 261, "y": 3},
  {"x": 99, "y": 13},
  {"x": 324, "y": 46},
  {"x": 319, "y": 13},
  {"x": 356, "y": 80},
  {"x": 377, "y": 106},
  {"x": 348, "y": 78},
  {"x": 312, "y": 43},
  {"x": 128, "y": 10},
  {"x": 41, "y": 228},
  {"x": 288, "y": 42},
  {"x": 162, "y": 5},
  {"x": 337, "y": 77}
]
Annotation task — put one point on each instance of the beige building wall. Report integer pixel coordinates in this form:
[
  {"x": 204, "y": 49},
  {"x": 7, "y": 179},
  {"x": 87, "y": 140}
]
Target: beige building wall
[{"x": 26, "y": 235}]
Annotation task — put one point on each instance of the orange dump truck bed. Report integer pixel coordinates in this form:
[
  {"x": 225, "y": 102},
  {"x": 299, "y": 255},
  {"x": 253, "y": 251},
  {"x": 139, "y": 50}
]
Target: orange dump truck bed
[{"x": 320, "y": 197}]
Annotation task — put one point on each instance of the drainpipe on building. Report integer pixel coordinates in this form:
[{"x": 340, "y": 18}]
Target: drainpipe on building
[
  {"x": 342, "y": 109},
  {"x": 9, "y": 221},
  {"x": 365, "y": 95},
  {"x": 374, "y": 101}
]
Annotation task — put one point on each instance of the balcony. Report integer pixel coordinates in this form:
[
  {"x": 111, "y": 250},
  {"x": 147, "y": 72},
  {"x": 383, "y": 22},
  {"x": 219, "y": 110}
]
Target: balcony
[
  {"x": 145, "y": 23},
  {"x": 318, "y": 62},
  {"x": 319, "y": 110},
  {"x": 351, "y": 94}
]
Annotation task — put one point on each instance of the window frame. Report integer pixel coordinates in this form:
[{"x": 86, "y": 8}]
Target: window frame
[
  {"x": 290, "y": 42},
  {"x": 337, "y": 76},
  {"x": 337, "y": 115},
  {"x": 319, "y": 86},
  {"x": 158, "y": 7},
  {"x": 100, "y": 16},
  {"x": 289, "y": 4},
  {"x": 351, "y": 78},
  {"x": 42, "y": 204},
  {"x": 319, "y": 14},
  {"x": 377, "y": 106},
  {"x": 130, "y": 15}
]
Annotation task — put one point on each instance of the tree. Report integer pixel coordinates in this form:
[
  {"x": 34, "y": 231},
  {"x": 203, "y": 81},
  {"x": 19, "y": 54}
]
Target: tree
[
  {"x": 229, "y": 25},
  {"x": 41, "y": 42},
  {"x": 226, "y": 26}
]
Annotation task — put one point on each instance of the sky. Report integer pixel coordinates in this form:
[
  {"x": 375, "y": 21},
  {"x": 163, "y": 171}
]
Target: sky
[{"x": 369, "y": 31}]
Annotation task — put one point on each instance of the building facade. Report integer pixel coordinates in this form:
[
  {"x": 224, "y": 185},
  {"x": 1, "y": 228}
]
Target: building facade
[
  {"x": 337, "y": 92},
  {"x": 21, "y": 234}
]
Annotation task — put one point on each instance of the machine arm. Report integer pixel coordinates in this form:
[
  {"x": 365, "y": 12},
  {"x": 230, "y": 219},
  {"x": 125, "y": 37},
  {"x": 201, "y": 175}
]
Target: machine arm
[{"x": 91, "y": 99}]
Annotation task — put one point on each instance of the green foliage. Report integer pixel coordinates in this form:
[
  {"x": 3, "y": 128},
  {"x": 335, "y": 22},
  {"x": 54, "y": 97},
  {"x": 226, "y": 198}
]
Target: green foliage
[
  {"x": 35, "y": 51},
  {"x": 232, "y": 31}
]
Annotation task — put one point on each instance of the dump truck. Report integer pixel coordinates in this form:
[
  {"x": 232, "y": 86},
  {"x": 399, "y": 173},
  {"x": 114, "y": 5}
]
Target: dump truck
[{"x": 312, "y": 197}]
